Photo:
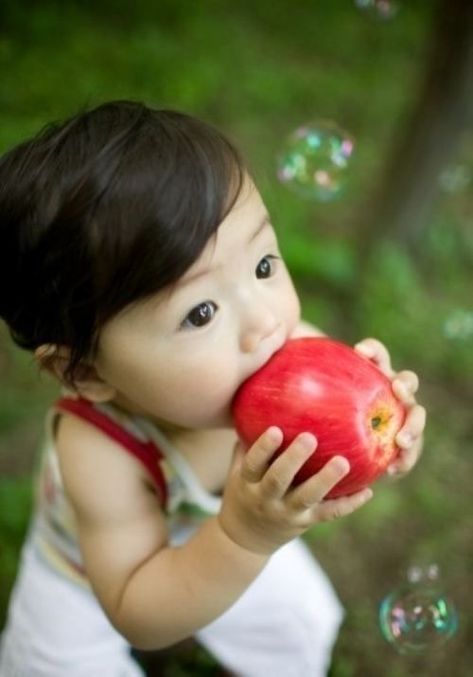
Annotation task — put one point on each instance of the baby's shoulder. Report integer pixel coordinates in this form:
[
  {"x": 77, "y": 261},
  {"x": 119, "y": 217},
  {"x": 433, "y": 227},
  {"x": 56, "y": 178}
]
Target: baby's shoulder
[{"x": 98, "y": 475}]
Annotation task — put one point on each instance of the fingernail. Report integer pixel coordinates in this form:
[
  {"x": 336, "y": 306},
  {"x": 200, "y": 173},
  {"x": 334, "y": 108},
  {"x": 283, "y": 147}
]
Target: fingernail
[
  {"x": 342, "y": 464},
  {"x": 308, "y": 441},
  {"x": 364, "y": 349},
  {"x": 400, "y": 388},
  {"x": 273, "y": 434}
]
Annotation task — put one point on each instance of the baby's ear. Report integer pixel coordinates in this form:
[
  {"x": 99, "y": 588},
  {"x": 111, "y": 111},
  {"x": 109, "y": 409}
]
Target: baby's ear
[{"x": 87, "y": 383}]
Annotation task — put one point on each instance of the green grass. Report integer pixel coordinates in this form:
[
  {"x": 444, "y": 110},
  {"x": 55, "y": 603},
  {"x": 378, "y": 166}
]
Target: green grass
[{"x": 258, "y": 70}]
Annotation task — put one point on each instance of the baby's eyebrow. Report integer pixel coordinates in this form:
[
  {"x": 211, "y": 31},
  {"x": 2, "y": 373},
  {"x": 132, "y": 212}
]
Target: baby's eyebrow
[{"x": 265, "y": 221}]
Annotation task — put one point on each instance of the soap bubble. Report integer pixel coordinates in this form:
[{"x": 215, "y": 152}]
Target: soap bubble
[
  {"x": 456, "y": 178},
  {"x": 459, "y": 325},
  {"x": 314, "y": 160},
  {"x": 380, "y": 9},
  {"x": 418, "y": 616}
]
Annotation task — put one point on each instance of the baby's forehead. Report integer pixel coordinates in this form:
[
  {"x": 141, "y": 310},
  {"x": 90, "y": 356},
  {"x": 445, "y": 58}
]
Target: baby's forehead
[{"x": 234, "y": 237}]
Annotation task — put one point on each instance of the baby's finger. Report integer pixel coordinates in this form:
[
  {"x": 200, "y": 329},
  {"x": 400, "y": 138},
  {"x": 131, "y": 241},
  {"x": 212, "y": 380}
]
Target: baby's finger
[
  {"x": 313, "y": 490},
  {"x": 407, "y": 459},
  {"x": 377, "y": 352},
  {"x": 339, "y": 507},
  {"x": 258, "y": 457},
  {"x": 405, "y": 385},
  {"x": 413, "y": 427},
  {"x": 280, "y": 475}
]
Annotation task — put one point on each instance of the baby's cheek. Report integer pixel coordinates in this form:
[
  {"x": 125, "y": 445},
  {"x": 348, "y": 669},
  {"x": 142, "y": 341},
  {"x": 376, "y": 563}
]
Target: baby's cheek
[
  {"x": 292, "y": 310},
  {"x": 204, "y": 393}
]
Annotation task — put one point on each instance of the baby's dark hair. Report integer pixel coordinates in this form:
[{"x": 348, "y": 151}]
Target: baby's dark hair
[{"x": 104, "y": 210}]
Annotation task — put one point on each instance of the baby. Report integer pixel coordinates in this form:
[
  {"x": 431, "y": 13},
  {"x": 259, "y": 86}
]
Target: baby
[{"x": 140, "y": 266}]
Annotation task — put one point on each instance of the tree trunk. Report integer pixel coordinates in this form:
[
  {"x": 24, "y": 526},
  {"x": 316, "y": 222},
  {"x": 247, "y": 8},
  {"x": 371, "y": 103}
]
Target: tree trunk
[{"x": 431, "y": 137}]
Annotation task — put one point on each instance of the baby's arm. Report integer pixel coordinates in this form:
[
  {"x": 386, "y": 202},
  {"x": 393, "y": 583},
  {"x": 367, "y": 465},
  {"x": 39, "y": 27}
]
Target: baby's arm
[{"x": 154, "y": 594}]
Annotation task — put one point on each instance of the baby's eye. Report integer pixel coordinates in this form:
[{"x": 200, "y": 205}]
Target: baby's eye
[
  {"x": 265, "y": 267},
  {"x": 200, "y": 315}
]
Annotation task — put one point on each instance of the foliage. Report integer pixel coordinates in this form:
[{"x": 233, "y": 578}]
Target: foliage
[
  {"x": 258, "y": 70},
  {"x": 15, "y": 506}
]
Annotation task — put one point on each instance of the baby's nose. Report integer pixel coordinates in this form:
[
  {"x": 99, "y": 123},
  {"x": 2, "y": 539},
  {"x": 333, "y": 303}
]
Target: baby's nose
[{"x": 261, "y": 328}]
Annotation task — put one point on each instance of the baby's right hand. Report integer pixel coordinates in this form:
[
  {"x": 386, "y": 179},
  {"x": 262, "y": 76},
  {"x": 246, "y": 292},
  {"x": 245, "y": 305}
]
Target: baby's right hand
[{"x": 261, "y": 511}]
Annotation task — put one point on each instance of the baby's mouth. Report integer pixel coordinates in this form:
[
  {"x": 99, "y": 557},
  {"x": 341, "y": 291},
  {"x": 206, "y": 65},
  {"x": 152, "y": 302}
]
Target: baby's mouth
[{"x": 268, "y": 354}]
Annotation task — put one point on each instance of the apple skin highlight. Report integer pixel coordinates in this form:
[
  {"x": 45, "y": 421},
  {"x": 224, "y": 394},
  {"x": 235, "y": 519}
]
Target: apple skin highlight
[{"x": 325, "y": 387}]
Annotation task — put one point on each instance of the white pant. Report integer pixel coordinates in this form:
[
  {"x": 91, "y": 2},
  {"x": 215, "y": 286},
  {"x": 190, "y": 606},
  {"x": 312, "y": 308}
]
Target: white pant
[{"x": 284, "y": 624}]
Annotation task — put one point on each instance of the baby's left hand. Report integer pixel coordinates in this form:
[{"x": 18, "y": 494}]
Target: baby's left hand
[{"x": 404, "y": 384}]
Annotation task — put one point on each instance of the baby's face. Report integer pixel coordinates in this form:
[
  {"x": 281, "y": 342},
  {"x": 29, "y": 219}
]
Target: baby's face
[{"x": 180, "y": 356}]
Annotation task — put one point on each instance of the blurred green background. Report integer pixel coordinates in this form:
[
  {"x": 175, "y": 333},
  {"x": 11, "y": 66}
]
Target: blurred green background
[{"x": 258, "y": 70}]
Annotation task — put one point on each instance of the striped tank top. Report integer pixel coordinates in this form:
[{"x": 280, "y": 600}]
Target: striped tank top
[{"x": 185, "y": 502}]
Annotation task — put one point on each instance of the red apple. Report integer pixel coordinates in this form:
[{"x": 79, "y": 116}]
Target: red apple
[{"x": 322, "y": 386}]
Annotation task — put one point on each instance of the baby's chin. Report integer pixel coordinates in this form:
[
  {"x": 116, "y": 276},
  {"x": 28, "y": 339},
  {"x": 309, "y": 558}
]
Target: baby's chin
[
  {"x": 217, "y": 420},
  {"x": 227, "y": 420},
  {"x": 221, "y": 419}
]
